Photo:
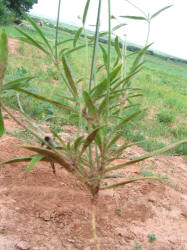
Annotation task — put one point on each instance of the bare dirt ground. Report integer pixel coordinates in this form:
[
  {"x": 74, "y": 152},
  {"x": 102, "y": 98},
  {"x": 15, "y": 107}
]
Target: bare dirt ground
[{"x": 40, "y": 211}]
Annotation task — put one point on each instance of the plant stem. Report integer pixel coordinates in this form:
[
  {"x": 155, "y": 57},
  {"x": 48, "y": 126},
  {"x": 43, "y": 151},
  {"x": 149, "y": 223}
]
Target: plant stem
[{"x": 93, "y": 223}]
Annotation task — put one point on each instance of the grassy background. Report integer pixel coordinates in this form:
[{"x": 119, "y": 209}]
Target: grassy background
[{"x": 163, "y": 85}]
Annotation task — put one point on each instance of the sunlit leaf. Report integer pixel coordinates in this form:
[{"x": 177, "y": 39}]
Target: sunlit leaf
[
  {"x": 34, "y": 161},
  {"x": 3, "y": 56},
  {"x": 105, "y": 57}
]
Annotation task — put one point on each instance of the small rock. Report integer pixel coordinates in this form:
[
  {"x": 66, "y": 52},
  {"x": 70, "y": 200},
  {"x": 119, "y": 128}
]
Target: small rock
[
  {"x": 23, "y": 245},
  {"x": 45, "y": 215}
]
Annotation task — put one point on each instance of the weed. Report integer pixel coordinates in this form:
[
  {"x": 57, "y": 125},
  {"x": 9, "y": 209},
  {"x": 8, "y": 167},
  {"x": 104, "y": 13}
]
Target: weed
[
  {"x": 152, "y": 237},
  {"x": 118, "y": 212},
  {"x": 137, "y": 246}
]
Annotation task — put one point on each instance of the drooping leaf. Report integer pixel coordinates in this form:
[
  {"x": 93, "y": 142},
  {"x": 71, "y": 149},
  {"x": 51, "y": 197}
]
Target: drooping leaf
[
  {"x": 135, "y": 17},
  {"x": 130, "y": 181},
  {"x": 64, "y": 41},
  {"x": 28, "y": 39},
  {"x": 146, "y": 156},
  {"x": 78, "y": 142},
  {"x": 85, "y": 12},
  {"x": 35, "y": 159},
  {"x": 159, "y": 11},
  {"x": 18, "y": 83},
  {"x": 90, "y": 138},
  {"x": 42, "y": 98},
  {"x": 39, "y": 31},
  {"x": 76, "y": 37},
  {"x": 118, "y": 26}
]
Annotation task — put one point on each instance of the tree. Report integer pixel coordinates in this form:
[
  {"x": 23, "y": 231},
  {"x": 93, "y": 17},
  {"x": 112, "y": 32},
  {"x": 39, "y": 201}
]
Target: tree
[
  {"x": 19, "y": 6},
  {"x": 5, "y": 16}
]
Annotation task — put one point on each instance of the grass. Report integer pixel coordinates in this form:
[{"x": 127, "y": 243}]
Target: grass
[{"x": 162, "y": 83}]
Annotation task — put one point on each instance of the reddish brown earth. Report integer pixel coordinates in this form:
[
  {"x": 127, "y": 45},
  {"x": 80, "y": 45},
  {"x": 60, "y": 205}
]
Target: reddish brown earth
[{"x": 40, "y": 211}]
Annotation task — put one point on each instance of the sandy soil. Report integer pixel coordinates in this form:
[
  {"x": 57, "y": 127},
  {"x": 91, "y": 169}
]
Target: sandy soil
[{"x": 40, "y": 211}]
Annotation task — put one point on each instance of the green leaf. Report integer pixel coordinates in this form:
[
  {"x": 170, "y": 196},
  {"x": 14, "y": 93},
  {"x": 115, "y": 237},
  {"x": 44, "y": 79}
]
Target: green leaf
[
  {"x": 64, "y": 41},
  {"x": 101, "y": 87},
  {"x": 118, "y": 26},
  {"x": 89, "y": 104},
  {"x": 56, "y": 157},
  {"x": 18, "y": 83},
  {"x": 76, "y": 37},
  {"x": 69, "y": 51},
  {"x": 2, "y": 128},
  {"x": 90, "y": 138},
  {"x": 117, "y": 48},
  {"x": 113, "y": 141},
  {"x": 69, "y": 76},
  {"x": 3, "y": 56},
  {"x": 85, "y": 12},
  {"x": 130, "y": 181},
  {"x": 135, "y": 17},
  {"x": 139, "y": 57},
  {"x": 105, "y": 57},
  {"x": 28, "y": 39},
  {"x": 159, "y": 11},
  {"x": 42, "y": 98},
  {"x": 146, "y": 156},
  {"x": 34, "y": 161},
  {"x": 38, "y": 30},
  {"x": 78, "y": 142},
  {"x": 130, "y": 117}
]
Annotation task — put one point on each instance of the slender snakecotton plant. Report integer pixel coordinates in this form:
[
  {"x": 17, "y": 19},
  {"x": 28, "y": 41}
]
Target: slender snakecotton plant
[{"x": 91, "y": 155}]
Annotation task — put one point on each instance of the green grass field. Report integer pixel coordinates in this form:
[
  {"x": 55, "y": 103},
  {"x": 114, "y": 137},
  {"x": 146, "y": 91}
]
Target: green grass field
[{"x": 163, "y": 85}]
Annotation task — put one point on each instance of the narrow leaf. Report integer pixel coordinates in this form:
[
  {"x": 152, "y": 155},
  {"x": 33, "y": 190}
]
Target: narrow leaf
[
  {"x": 3, "y": 56},
  {"x": 105, "y": 57},
  {"x": 42, "y": 98},
  {"x": 135, "y": 17},
  {"x": 159, "y": 11},
  {"x": 130, "y": 181},
  {"x": 90, "y": 138},
  {"x": 146, "y": 156},
  {"x": 118, "y": 26},
  {"x": 85, "y": 11},
  {"x": 18, "y": 83},
  {"x": 89, "y": 104},
  {"x": 76, "y": 37},
  {"x": 36, "y": 27},
  {"x": 2, "y": 128},
  {"x": 116, "y": 46},
  {"x": 78, "y": 142},
  {"x": 30, "y": 40},
  {"x": 69, "y": 75},
  {"x": 34, "y": 161}
]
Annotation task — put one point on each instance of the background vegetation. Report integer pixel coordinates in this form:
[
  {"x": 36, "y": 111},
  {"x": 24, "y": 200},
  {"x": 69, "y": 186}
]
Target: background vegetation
[{"x": 162, "y": 84}]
